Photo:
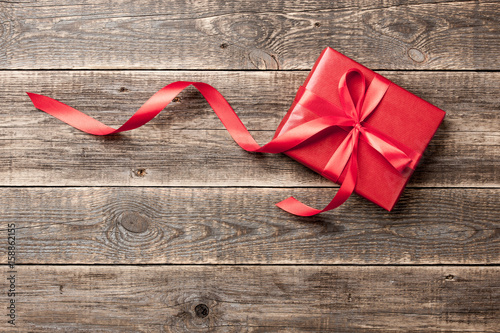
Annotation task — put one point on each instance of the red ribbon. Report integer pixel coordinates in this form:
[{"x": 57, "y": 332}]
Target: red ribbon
[{"x": 354, "y": 111}]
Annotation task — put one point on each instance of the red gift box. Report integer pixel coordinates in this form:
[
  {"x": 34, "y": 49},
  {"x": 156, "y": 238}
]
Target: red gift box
[
  {"x": 347, "y": 123},
  {"x": 407, "y": 119}
]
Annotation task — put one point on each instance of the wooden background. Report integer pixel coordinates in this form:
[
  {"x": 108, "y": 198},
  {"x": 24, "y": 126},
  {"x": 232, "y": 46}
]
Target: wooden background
[{"x": 172, "y": 227}]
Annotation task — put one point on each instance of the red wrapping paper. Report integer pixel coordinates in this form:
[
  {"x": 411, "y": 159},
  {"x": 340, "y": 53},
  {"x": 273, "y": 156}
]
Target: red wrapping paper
[{"x": 400, "y": 115}]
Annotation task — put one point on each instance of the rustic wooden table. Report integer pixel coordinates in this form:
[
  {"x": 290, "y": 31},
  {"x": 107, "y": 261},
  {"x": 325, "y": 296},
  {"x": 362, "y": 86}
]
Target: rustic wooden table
[{"x": 172, "y": 227}]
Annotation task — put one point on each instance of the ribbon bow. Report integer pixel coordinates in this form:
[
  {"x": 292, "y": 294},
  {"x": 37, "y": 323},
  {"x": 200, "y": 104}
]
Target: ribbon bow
[{"x": 357, "y": 104}]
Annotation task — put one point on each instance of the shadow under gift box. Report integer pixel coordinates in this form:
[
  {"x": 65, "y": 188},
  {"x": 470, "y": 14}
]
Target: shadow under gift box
[{"x": 400, "y": 115}]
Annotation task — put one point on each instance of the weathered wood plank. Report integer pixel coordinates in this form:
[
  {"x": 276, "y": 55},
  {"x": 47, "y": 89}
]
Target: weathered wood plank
[
  {"x": 131, "y": 225},
  {"x": 271, "y": 35},
  {"x": 256, "y": 299},
  {"x": 186, "y": 145}
]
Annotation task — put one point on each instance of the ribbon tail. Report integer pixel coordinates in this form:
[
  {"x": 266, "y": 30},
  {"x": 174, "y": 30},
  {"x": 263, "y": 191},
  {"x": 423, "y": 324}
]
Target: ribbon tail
[
  {"x": 70, "y": 115},
  {"x": 294, "y": 206},
  {"x": 87, "y": 124},
  {"x": 397, "y": 157}
]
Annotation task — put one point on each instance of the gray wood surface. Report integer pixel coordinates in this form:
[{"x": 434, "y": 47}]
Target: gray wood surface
[
  {"x": 172, "y": 227},
  {"x": 245, "y": 35},
  {"x": 259, "y": 298},
  {"x": 122, "y": 225},
  {"x": 189, "y": 134}
]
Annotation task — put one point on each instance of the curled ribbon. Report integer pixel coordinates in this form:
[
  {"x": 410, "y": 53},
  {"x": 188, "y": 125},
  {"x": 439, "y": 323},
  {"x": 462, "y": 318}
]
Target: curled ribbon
[{"x": 354, "y": 111}]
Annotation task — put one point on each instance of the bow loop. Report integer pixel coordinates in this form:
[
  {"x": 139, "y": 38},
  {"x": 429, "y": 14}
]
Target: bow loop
[
  {"x": 352, "y": 88},
  {"x": 373, "y": 96}
]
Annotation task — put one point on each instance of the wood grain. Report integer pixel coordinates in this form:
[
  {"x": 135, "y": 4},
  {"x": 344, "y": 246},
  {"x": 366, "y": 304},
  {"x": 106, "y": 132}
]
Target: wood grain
[
  {"x": 172, "y": 227},
  {"x": 257, "y": 299},
  {"x": 36, "y": 149},
  {"x": 274, "y": 34},
  {"x": 242, "y": 226}
]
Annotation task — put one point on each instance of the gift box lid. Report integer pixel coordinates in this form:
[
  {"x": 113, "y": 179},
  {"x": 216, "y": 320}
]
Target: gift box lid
[{"x": 400, "y": 115}]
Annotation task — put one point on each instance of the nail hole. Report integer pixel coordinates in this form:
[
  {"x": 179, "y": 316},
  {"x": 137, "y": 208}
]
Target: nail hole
[
  {"x": 223, "y": 45},
  {"x": 141, "y": 172},
  {"x": 201, "y": 310},
  {"x": 449, "y": 277},
  {"x": 176, "y": 100},
  {"x": 317, "y": 24}
]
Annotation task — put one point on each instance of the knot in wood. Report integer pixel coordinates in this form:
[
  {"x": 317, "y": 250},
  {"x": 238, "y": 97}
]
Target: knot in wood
[
  {"x": 141, "y": 172},
  {"x": 416, "y": 55},
  {"x": 134, "y": 222}
]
